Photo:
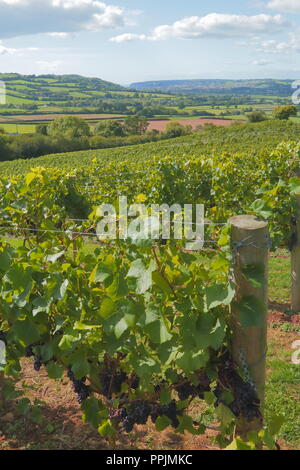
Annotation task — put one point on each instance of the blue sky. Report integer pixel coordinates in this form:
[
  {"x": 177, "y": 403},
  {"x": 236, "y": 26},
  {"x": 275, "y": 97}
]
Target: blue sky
[{"x": 136, "y": 40}]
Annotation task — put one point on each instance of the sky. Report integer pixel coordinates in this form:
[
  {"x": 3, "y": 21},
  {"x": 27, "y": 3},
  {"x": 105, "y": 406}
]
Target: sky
[{"x": 127, "y": 41}]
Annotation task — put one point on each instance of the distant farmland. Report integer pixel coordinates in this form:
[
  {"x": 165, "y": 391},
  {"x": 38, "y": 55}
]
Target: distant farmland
[{"x": 25, "y": 124}]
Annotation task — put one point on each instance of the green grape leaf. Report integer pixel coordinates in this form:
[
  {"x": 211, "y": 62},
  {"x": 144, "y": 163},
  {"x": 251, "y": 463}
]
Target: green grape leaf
[
  {"x": 120, "y": 328},
  {"x": 142, "y": 274},
  {"x": 162, "y": 423},
  {"x": 40, "y": 304},
  {"x": 101, "y": 273},
  {"x": 158, "y": 331},
  {"x": 239, "y": 444},
  {"x": 60, "y": 289},
  {"x": 219, "y": 295},
  {"x": 91, "y": 411},
  {"x": 26, "y": 332},
  {"x": 53, "y": 258},
  {"x": 158, "y": 280},
  {"x": 54, "y": 370},
  {"x": 80, "y": 365},
  {"x": 165, "y": 396},
  {"x": 107, "y": 308}
]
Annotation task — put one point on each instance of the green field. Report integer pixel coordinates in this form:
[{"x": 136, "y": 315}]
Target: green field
[{"x": 18, "y": 128}]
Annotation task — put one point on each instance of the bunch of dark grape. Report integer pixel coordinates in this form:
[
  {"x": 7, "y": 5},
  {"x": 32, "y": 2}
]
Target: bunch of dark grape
[
  {"x": 128, "y": 424},
  {"x": 134, "y": 381},
  {"x": 121, "y": 416},
  {"x": 246, "y": 403},
  {"x": 80, "y": 388},
  {"x": 158, "y": 387},
  {"x": 29, "y": 351},
  {"x": 37, "y": 363},
  {"x": 186, "y": 389},
  {"x": 137, "y": 412},
  {"x": 111, "y": 380},
  {"x": 170, "y": 411}
]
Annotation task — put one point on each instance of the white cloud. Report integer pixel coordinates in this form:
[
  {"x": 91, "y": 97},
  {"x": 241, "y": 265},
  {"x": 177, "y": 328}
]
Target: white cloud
[
  {"x": 111, "y": 17},
  {"x": 6, "y": 50},
  {"x": 214, "y": 25},
  {"x": 285, "y": 47},
  {"x": 47, "y": 66},
  {"x": 12, "y": 2},
  {"x": 20, "y": 17},
  {"x": 127, "y": 37},
  {"x": 262, "y": 62},
  {"x": 286, "y": 6},
  {"x": 61, "y": 35}
]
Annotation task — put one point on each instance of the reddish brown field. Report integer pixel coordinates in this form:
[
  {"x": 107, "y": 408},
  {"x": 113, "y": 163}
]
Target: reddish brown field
[{"x": 160, "y": 125}]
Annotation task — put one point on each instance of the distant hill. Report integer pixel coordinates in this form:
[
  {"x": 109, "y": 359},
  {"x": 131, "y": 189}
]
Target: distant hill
[
  {"x": 240, "y": 87},
  {"x": 59, "y": 89}
]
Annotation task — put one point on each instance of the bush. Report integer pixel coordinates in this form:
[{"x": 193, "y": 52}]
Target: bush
[
  {"x": 109, "y": 129},
  {"x": 42, "y": 129},
  {"x": 70, "y": 127},
  {"x": 285, "y": 112},
  {"x": 257, "y": 116},
  {"x": 5, "y": 151},
  {"x": 27, "y": 146},
  {"x": 175, "y": 129}
]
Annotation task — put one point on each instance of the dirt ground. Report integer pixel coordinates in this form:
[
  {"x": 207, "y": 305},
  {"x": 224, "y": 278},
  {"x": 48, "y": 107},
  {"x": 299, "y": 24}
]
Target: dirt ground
[{"x": 62, "y": 412}]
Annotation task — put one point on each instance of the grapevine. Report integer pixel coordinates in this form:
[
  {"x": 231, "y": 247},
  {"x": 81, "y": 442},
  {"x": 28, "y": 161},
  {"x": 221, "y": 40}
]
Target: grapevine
[{"x": 139, "y": 329}]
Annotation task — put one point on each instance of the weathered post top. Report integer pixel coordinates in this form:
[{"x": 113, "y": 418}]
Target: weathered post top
[{"x": 248, "y": 222}]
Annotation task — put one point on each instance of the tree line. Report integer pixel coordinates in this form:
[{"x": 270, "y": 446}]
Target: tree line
[{"x": 70, "y": 133}]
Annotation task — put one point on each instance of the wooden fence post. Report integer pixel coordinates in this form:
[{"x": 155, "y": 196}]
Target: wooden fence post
[
  {"x": 250, "y": 245},
  {"x": 295, "y": 259}
]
